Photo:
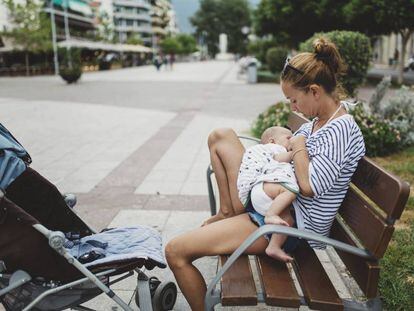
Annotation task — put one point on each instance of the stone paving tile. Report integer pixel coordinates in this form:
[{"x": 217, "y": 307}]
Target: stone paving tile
[
  {"x": 79, "y": 134},
  {"x": 187, "y": 157}
]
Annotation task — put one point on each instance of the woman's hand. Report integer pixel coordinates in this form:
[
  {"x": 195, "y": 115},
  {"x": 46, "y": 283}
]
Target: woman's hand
[{"x": 297, "y": 142}]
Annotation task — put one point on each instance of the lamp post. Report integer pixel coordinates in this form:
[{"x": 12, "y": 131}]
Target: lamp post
[
  {"x": 67, "y": 34},
  {"x": 54, "y": 44},
  {"x": 245, "y": 31}
]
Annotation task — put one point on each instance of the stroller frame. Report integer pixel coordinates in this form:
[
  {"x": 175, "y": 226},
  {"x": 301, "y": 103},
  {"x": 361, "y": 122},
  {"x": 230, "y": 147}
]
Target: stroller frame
[{"x": 56, "y": 240}]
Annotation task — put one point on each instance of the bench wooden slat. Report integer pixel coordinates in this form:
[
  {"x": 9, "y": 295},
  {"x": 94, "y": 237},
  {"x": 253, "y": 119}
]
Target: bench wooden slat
[
  {"x": 367, "y": 225},
  {"x": 365, "y": 273},
  {"x": 383, "y": 188},
  {"x": 237, "y": 284},
  {"x": 277, "y": 284},
  {"x": 317, "y": 288},
  {"x": 295, "y": 121}
]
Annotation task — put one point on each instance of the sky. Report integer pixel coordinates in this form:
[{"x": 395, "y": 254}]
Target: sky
[{"x": 186, "y": 8}]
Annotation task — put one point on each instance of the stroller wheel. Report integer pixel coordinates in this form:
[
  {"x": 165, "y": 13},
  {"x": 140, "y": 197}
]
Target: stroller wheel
[{"x": 164, "y": 297}]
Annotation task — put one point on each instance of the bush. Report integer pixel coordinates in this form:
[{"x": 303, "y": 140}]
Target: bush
[
  {"x": 71, "y": 69},
  {"x": 277, "y": 114},
  {"x": 399, "y": 109},
  {"x": 380, "y": 90},
  {"x": 70, "y": 75},
  {"x": 396, "y": 283},
  {"x": 355, "y": 49},
  {"x": 275, "y": 58},
  {"x": 267, "y": 77},
  {"x": 259, "y": 47},
  {"x": 381, "y": 137}
]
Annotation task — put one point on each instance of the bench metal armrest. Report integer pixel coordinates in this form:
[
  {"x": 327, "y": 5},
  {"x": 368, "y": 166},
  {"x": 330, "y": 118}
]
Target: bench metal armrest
[{"x": 269, "y": 229}]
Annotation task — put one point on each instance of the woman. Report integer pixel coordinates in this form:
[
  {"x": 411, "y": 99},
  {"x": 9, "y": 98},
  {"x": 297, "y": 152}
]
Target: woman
[{"x": 325, "y": 154}]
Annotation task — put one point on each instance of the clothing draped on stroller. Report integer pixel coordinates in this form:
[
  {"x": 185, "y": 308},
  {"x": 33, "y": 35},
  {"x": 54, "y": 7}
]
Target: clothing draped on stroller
[{"x": 47, "y": 252}]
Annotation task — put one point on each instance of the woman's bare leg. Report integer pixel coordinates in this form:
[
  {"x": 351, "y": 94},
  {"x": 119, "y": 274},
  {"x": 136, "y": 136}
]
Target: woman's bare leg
[
  {"x": 221, "y": 237},
  {"x": 226, "y": 152}
]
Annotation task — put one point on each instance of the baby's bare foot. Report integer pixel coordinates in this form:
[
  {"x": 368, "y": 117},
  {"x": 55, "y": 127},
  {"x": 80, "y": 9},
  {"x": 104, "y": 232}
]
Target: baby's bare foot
[
  {"x": 278, "y": 253},
  {"x": 275, "y": 220}
]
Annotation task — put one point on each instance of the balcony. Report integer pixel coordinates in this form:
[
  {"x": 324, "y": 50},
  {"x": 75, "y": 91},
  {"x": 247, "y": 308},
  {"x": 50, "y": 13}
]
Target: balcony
[
  {"x": 131, "y": 15},
  {"x": 133, "y": 4},
  {"x": 125, "y": 28},
  {"x": 159, "y": 31}
]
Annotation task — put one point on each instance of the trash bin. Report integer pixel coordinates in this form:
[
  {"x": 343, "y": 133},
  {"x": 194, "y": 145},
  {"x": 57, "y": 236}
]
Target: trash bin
[{"x": 252, "y": 73}]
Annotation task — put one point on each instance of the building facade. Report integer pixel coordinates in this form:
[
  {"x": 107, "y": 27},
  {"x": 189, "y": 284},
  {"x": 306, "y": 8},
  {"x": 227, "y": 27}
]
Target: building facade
[
  {"x": 387, "y": 47},
  {"x": 132, "y": 19}
]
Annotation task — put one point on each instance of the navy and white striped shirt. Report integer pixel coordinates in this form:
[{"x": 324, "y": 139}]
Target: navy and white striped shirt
[{"x": 334, "y": 151}]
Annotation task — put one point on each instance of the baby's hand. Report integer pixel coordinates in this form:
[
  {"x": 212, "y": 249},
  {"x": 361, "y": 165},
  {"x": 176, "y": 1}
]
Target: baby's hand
[{"x": 283, "y": 157}]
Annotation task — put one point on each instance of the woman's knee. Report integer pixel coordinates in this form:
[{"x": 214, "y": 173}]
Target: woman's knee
[
  {"x": 220, "y": 134},
  {"x": 174, "y": 254}
]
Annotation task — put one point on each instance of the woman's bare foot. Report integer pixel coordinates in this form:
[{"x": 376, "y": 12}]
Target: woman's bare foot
[
  {"x": 278, "y": 253},
  {"x": 217, "y": 217},
  {"x": 275, "y": 220}
]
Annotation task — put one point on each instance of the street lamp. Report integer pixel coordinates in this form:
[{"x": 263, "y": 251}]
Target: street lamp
[
  {"x": 245, "y": 30},
  {"x": 54, "y": 44},
  {"x": 67, "y": 34}
]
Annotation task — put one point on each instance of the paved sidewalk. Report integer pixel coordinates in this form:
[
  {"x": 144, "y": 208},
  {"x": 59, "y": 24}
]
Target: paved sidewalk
[{"x": 132, "y": 143}]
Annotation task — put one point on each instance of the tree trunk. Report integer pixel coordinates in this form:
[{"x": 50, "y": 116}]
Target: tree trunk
[
  {"x": 405, "y": 35},
  {"x": 27, "y": 63}
]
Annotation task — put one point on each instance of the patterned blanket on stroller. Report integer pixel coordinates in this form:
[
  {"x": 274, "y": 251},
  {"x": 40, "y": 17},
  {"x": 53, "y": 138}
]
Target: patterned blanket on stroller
[{"x": 118, "y": 244}]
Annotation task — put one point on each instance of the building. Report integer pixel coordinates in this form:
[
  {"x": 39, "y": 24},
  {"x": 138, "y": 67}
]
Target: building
[
  {"x": 81, "y": 18},
  {"x": 132, "y": 19},
  {"x": 172, "y": 27},
  {"x": 385, "y": 49},
  {"x": 160, "y": 20}
]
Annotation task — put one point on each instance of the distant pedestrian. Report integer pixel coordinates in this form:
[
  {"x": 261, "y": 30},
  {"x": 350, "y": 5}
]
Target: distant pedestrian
[
  {"x": 396, "y": 56},
  {"x": 165, "y": 62},
  {"x": 157, "y": 62},
  {"x": 171, "y": 60}
]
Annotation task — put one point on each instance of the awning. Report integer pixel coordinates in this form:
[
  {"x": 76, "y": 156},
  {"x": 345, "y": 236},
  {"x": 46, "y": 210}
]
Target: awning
[
  {"x": 78, "y": 6},
  {"x": 92, "y": 45}
]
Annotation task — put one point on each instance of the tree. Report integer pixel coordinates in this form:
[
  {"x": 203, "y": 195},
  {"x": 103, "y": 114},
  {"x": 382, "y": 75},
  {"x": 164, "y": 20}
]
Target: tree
[
  {"x": 295, "y": 21},
  {"x": 31, "y": 29},
  {"x": 135, "y": 40},
  {"x": 384, "y": 17},
  {"x": 222, "y": 16},
  {"x": 170, "y": 45},
  {"x": 105, "y": 28},
  {"x": 187, "y": 44}
]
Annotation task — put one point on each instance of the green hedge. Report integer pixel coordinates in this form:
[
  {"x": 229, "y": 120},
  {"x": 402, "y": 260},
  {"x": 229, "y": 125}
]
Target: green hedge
[
  {"x": 277, "y": 114},
  {"x": 275, "y": 58},
  {"x": 267, "y": 77},
  {"x": 355, "y": 49}
]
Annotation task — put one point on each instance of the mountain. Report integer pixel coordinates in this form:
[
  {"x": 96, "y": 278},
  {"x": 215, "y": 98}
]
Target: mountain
[{"x": 184, "y": 9}]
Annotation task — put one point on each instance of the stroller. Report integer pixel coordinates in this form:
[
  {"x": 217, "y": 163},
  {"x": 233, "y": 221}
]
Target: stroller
[{"x": 39, "y": 269}]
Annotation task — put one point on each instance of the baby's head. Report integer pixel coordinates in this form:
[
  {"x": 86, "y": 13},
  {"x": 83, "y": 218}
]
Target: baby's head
[{"x": 276, "y": 135}]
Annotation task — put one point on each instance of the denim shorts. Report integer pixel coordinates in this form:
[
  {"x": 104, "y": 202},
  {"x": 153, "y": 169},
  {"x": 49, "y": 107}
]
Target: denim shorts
[{"x": 291, "y": 242}]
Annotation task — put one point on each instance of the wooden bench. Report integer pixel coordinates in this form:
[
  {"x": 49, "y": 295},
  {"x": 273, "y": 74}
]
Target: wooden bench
[{"x": 360, "y": 236}]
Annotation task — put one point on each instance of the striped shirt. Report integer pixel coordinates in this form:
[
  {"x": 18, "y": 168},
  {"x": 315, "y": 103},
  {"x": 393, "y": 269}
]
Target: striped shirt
[{"x": 334, "y": 151}]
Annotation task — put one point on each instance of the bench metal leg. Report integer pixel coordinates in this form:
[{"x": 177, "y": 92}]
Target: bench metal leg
[
  {"x": 374, "y": 304},
  {"x": 212, "y": 300},
  {"x": 211, "y": 197}
]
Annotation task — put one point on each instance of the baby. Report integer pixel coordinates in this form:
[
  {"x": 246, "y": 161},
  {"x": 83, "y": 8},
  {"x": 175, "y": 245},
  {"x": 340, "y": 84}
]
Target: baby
[{"x": 267, "y": 175}]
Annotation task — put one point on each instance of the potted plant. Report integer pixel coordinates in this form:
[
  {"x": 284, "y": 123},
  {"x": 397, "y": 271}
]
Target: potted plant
[{"x": 71, "y": 71}]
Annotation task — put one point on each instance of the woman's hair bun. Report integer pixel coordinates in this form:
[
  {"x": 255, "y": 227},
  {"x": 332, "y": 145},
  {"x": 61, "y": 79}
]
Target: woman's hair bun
[{"x": 327, "y": 52}]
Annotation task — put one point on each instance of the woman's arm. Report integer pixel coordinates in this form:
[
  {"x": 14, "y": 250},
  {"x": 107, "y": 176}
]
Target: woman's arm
[{"x": 301, "y": 163}]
